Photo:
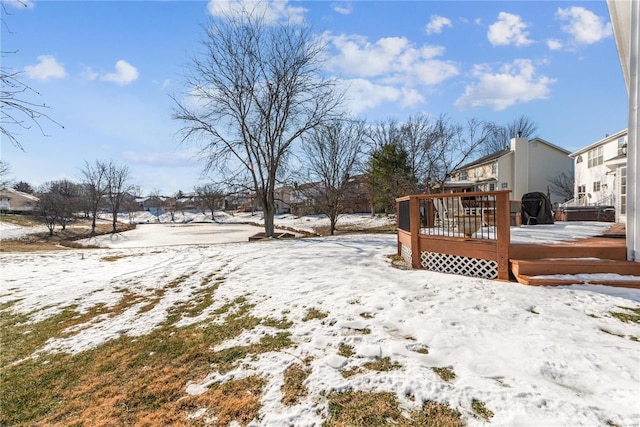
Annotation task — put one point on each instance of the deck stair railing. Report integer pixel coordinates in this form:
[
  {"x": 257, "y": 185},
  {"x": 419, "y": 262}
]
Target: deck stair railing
[{"x": 463, "y": 233}]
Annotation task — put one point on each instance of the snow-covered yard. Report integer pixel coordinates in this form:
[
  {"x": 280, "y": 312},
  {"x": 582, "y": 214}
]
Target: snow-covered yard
[{"x": 534, "y": 356}]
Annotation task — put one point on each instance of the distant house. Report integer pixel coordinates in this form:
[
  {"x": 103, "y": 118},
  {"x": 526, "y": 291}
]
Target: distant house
[
  {"x": 524, "y": 167},
  {"x": 601, "y": 174},
  {"x": 16, "y": 201}
]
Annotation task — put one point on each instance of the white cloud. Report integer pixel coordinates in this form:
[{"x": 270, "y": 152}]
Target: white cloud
[
  {"x": 508, "y": 30},
  {"x": 343, "y": 9},
  {"x": 437, "y": 23},
  {"x": 391, "y": 58},
  {"x": 89, "y": 74},
  {"x": 125, "y": 74},
  {"x": 584, "y": 26},
  {"x": 363, "y": 95},
  {"x": 272, "y": 11},
  {"x": 47, "y": 68},
  {"x": 554, "y": 44},
  {"x": 515, "y": 83}
]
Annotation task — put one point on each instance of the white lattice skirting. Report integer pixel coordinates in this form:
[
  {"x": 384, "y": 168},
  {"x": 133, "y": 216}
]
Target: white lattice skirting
[
  {"x": 454, "y": 264},
  {"x": 405, "y": 253}
]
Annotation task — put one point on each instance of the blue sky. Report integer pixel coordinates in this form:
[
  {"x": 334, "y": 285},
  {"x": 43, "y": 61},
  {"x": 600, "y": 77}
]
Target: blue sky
[{"x": 107, "y": 70}]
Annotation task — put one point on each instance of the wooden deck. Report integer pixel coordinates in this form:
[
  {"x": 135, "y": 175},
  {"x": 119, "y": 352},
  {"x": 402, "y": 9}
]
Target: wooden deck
[
  {"x": 598, "y": 256},
  {"x": 426, "y": 239}
]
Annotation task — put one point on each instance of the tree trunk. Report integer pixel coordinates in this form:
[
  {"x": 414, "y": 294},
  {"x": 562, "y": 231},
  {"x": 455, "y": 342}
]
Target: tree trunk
[
  {"x": 332, "y": 228},
  {"x": 93, "y": 225}
]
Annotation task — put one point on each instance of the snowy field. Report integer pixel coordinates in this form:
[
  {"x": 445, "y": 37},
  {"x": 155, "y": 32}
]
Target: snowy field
[{"x": 535, "y": 356}]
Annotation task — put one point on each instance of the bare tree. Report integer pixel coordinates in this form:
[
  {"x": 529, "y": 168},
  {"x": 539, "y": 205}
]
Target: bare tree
[
  {"x": 500, "y": 138},
  {"x": 209, "y": 197},
  {"x": 117, "y": 186},
  {"x": 96, "y": 188},
  {"x": 56, "y": 203},
  {"x": 16, "y": 111},
  {"x": 67, "y": 194},
  {"x": 255, "y": 90},
  {"x": 170, "y": 204},
  {"x": 332, "y": 153},
  {"x": 562, "y": 184},
  {"x": 455, "y": 144}
]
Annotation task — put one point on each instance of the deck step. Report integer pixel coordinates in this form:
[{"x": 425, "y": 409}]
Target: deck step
[
  {"x": 622, "y": 281},
  {"x": 622, "y": 273},
  {"x": 588, "y": 248}
]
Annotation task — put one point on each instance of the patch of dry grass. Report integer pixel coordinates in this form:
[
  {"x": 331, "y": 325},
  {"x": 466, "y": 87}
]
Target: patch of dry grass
[
  {"x": 631, "y": 315},
  {"x": 61, "y": 240},
  {"x": 382, "y": 364},
  {"x": 314, "y": 313},
  {"x": 293, "y": 388},
  {"x": 359, "y": 408},
  {"x": 446, "y": 374},
  {"x": 21, "y": 220},
  {"x": 481, "y": 410},
  {"x": 128, "y": 380},
  {"x": 345, "y": 350}
]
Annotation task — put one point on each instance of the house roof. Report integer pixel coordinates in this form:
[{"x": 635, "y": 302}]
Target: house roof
[
  {"x": 498, "y": 154},
  {"x": 602, "y": 141},
  {"x": 486, "y": 159},
  {"x": 13, "y": 192}
]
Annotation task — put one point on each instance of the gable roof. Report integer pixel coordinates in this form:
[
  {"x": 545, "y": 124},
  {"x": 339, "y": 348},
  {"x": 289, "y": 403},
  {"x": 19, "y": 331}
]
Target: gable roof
[
  {"x": 498, "y": 154},
  {"x": 602, "y": 141},
  {"x": 486, "y": 159},
  {"x": 10, "y": 191}
]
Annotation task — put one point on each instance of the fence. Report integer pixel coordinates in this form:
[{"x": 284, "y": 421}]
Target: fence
[{"x": 461, "y": 233}]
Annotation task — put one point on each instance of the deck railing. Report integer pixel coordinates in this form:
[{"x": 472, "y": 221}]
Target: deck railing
[{"x": 463, "y": 233}]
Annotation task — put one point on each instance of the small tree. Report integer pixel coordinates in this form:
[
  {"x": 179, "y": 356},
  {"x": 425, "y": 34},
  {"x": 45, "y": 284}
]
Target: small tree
[
  {"x": 4, "y": 174},
  {"x": 209, "y": 197},
  {"x": 117, "y": 186},
  {"x": 56, "y": 203},
  {"x": 170, "y": 204},
  {"x": 389, "y": 176},
  {"x": 332, "y": 152},
  {"x": 562, "y": 184},
  {"x": 95, "y": 189}
]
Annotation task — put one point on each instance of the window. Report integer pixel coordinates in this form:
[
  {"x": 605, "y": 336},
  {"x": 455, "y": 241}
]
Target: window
[
  {"x": 504, "y": 185},
  {"x": 492, "y": 187},
  {"x": 582, "y": 191},
  {"x": 595, "y": 157},
  {"x": 494, "y": 168},
  {"x": 579, "y": 159},
  {"x": 623, "y": 191},
  {"x": 475, "y": 173},
  {"x": 622, "y": 147},
  {"x": 596, "y": 186},
  {"x": 464, "y": 175}
]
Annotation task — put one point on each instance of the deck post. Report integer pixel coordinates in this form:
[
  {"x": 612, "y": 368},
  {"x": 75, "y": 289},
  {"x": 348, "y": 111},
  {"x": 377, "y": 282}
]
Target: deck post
[
  {"x": 503, "y": 220},
  {"x": 414, "y": 209}
]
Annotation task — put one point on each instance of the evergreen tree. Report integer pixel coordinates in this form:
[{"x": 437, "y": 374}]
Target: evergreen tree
[{"x": 389, "y": 176}]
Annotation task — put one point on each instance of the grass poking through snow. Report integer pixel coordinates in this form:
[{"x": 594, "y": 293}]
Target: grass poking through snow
[
  {"x": 314, "y": 313},
  {"x": 293, "y": 388},
  {"x": 481, "y": 410},
  {"x": 359, "y": 408},
  {"x": 446, "y": 374},
  {"x": 131, "y": 380},
  {"x": 631, "y": 315}
]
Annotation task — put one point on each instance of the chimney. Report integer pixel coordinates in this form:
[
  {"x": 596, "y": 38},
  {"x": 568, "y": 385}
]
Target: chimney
[{"x": 520, "y": 148}]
